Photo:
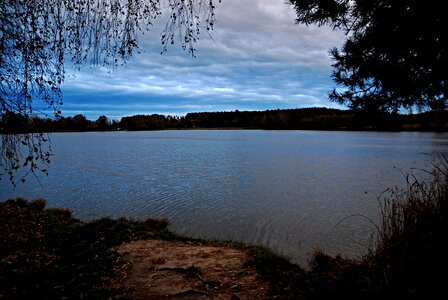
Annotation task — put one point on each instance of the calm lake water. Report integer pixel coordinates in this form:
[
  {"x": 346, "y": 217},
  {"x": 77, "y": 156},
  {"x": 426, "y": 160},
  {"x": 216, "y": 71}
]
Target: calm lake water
[{"x": 287, "y": 190}]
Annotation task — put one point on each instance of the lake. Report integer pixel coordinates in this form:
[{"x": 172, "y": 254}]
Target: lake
[{"x": 292, "y": 191}]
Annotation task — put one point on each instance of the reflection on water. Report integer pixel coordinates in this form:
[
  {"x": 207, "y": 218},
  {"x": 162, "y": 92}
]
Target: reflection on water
[{"x": 287, "y": 190}]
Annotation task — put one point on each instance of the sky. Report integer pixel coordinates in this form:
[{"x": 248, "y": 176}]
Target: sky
[{"x": 257, "y": 58}]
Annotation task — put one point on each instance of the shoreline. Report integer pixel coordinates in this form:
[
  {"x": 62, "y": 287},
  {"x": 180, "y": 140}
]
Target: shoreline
[
  {"x": 372, "y": 129},
  {"x": 108, "y": 255},
  {"x": 47, "y": 253}
]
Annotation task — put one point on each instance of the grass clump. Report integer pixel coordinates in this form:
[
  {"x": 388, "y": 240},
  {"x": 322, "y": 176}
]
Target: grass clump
[
  {"x": 286, "y": 280},
  {"x": 411, "y": 249},
  {"x": 48, "y": 254}
]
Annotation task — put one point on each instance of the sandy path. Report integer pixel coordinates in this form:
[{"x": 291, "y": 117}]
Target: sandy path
[{"x": 154, "y": 269}]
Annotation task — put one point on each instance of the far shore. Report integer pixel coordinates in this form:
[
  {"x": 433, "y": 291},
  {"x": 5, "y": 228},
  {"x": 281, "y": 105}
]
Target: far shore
[{"x": 286, "y": 119}]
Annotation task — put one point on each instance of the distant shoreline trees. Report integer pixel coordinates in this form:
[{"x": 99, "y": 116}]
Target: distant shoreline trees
[{"x": 280, "y": 119}]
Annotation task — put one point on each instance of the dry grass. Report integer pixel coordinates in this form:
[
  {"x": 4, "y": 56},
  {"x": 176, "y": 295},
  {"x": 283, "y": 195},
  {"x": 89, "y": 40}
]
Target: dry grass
[{"x": 410, "y": 248}]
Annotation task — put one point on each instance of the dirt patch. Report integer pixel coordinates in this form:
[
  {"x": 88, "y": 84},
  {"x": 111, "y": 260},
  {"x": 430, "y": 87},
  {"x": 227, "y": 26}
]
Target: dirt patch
[{"x": 154, "y": 269}]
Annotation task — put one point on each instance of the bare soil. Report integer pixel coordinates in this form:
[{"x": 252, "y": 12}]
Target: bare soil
[{"x": 156, "y": 269}]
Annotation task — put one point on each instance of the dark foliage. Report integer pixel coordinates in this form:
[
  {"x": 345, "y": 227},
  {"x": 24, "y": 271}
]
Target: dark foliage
[
  {"x": 303, "y": 119},
  {"x": 151, "y": 122},
  {"x": 411, "y": 249},
  {"x": 395, "y": 55},
  {"x": 286, "y": 280}
]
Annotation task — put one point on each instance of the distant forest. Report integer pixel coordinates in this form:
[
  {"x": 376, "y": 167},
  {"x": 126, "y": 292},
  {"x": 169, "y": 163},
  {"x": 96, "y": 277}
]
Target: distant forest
[{"x": 304, "y": 118}]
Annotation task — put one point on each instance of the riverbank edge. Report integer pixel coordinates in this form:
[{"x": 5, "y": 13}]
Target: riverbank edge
[{"x": 47, "y": 253}]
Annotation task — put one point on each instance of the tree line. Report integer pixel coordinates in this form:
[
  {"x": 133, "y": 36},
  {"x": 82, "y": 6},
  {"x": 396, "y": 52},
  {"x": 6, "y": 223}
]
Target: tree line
[{"x": 282, "y": 119}]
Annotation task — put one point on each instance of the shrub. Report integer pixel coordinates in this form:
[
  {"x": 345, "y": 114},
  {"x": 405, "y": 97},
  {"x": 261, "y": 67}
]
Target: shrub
[{"x": 410, "y": 249}]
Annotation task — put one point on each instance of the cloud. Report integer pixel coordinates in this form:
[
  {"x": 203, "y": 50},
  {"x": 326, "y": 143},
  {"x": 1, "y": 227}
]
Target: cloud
[{"x": 257, "y": 59}]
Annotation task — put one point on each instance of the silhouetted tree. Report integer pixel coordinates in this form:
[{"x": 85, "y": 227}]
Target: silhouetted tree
[
  {"x": 395, "y": 55},
  {"x": 102, "y": 122},
  {"x": 12, "y": 123},
  {"x": 37, "y": 38},
  {"x": 80, "y": 122}
]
